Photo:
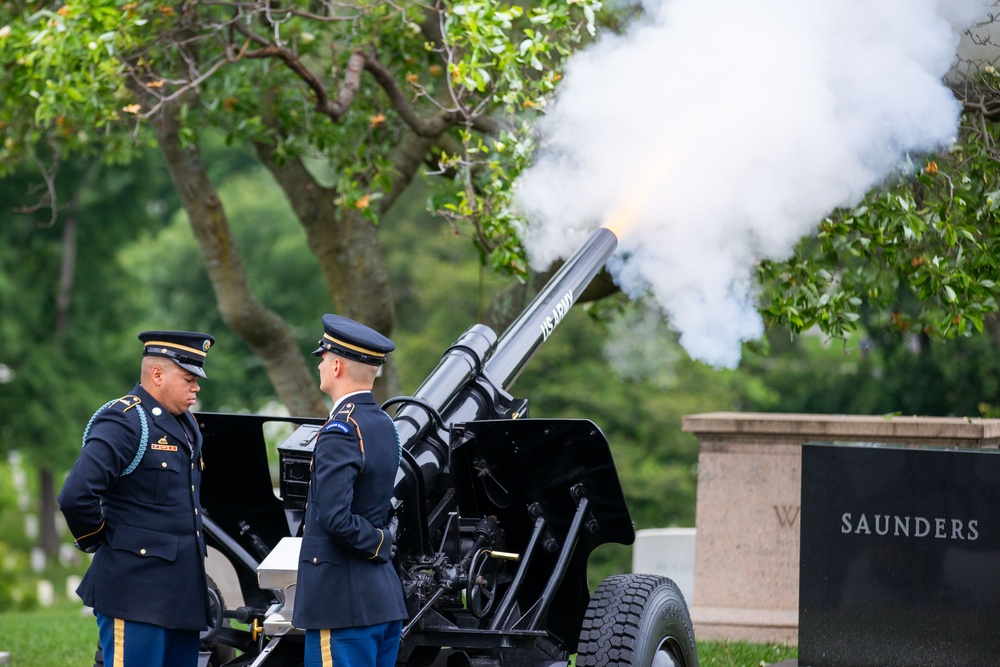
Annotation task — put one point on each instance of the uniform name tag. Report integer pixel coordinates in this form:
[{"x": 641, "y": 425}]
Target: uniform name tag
[{"x": 164, "y": 448}]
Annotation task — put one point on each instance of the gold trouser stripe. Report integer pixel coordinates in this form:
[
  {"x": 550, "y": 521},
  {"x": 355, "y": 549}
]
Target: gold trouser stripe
[
  {"x": 119, "y": 643},
  {"x": 324, "y": 647}
]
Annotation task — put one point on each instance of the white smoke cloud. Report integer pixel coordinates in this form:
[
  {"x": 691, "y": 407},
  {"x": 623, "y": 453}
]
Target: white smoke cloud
[{"x": 733, "y": 127}]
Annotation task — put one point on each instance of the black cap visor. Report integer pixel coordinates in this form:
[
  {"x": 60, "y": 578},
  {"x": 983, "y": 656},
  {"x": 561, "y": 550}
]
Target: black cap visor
[
  {"x": 326, "y": 346},
  {"x": 191, "y": 368}
]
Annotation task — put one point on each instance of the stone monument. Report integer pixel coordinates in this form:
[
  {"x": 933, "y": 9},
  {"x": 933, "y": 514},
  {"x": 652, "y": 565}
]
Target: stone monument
[{"x": 746, "y": 573}]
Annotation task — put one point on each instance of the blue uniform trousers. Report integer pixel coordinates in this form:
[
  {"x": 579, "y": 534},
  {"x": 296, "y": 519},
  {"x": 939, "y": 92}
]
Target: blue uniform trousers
[
  {"x": 135, "y": 644},
  {"x": 369, "y": 646}
]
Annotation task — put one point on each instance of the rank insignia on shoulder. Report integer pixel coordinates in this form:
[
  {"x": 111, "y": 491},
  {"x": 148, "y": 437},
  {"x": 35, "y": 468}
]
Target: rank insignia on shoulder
[
  {"x": 129, "y": 401},
  {"x": 337, "y": 426},
  {"x": 344, "y": 413}
]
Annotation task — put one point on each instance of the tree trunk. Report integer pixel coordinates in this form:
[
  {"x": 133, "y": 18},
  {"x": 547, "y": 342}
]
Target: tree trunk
[
  {"x": 48, "y": 536},
  {"x": 991, "y": 325},
  {"x": 47, "y": 512},
  {"x": 263, "y": 330},
  {"x": 347, "y": 248}
]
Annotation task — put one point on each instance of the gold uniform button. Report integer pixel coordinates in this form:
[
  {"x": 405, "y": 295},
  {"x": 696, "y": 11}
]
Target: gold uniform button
[
  {"x": 192, "y": 488},
  {"x": 142, "y": 551},
  {"x": 314, "y": 560},
  {"x": 196, "y": 511},
  {"x": 164, "y": 464},
  {"x": 197, "y": 533}
]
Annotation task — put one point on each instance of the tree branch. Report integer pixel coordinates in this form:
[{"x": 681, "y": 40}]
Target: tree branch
[{"x": 424, "y": 127}]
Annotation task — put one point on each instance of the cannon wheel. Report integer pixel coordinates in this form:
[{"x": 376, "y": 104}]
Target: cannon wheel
[
  {"x": 637, "y": 620},
  {"x": 221, "y": 654}
]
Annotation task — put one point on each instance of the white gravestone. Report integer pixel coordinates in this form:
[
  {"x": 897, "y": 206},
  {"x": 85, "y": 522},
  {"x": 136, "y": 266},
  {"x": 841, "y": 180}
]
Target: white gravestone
[{"x": 668, "y": 552}]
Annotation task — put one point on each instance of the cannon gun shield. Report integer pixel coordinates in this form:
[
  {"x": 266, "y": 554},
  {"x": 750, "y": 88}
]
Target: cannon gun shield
[
  {"x": 524, "y": 470},
  {"x": 501, "y": 466}
]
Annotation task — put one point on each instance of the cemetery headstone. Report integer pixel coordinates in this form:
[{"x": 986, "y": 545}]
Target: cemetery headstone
[{"x": 898, "y": 556}]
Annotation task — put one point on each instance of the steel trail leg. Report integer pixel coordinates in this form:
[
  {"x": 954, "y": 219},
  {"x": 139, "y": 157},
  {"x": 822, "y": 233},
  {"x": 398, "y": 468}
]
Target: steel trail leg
[
  {"x": 499, "y": 619},
  {"x": 540, "y": 608}
]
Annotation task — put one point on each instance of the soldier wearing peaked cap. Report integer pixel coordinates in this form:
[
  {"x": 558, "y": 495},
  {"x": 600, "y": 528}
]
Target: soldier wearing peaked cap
[
  {"x": 349, "y": 599},
  {"x": 132, "y": 499}
]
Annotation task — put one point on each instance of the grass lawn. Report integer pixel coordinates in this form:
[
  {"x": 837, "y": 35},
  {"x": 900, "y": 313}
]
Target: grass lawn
[
  {"x": 61, "y": 636},
  {"x": 66, "y": 636},
  {"x": 742, "y": 654}
]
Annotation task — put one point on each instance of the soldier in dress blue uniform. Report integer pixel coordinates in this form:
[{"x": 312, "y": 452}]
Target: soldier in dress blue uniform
[
  {"x": 132, "y": 500},
  {"x": 348, "y": 597}
]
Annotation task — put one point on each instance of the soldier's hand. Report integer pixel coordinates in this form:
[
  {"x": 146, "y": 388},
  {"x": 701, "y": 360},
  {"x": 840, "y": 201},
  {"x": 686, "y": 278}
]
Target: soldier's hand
[
  {"x": 392, "y": 527},
  {"x": 89, "y": 549},
  {"x": 89, "y": 543}
]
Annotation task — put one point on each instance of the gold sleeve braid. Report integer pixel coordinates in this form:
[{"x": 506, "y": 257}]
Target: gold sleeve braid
[{"x": 380, "y": 542}]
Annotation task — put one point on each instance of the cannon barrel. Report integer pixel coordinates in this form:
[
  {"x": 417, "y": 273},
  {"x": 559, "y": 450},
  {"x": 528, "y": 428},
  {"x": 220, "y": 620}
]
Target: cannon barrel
[
  {"x": 473, "y": 376},
  {"x": 526, "y": 334}
]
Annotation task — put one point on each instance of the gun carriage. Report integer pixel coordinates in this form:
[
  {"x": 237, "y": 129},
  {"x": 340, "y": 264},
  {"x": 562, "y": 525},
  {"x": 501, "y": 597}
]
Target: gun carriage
[{"x": 497, "y": 516}]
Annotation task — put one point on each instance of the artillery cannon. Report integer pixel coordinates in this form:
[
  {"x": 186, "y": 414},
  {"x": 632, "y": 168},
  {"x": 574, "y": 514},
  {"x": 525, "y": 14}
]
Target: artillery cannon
[{"x": 498, "y": 514}]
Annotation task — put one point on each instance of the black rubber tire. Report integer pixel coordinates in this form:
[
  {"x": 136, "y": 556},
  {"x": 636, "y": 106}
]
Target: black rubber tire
[
  {"x": 221, "y": 654},
  {"x": 638, "y": 620}
]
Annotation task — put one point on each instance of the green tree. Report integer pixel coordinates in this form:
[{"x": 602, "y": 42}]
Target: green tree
[
  {"x": 917, "y": 255},
  {"x": 372, "y": 92},
  {"x": 66, "y": 300},
  {"x": 375, "y": 92},
  {"x": 279, "y": 268},
  {"x": 876, "y": 371}
]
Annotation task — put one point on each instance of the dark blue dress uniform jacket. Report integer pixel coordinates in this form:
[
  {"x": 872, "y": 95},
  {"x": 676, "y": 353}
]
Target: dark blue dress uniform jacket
[
  {"x": 150, "y": 565},
  {"x": 345, "y": 577}
]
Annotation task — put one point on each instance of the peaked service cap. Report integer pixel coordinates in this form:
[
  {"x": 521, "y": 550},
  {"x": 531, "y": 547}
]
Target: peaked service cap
[
  {"x": 187, "y": 348},
  {"x": 353, "y": 340}
]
